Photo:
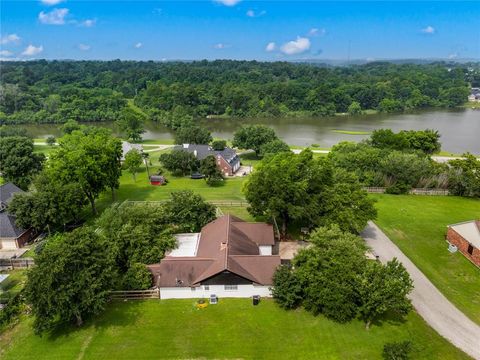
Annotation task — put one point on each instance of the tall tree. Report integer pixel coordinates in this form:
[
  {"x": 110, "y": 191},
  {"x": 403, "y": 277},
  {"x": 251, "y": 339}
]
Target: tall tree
[
  {"x": 133, "y": 162},
  {"x": 192, "y": 134},
  {"x": 89, "y": 158},
  {"x": 71, "y": 279},
  {"x": 132, "y": 124},
  {"x": 209, "y": 169},
  {"x": 179, "y": 162},
  {"x": 18, "y": 162},
  {"x": 383, "y": 288},
  {"x": 253, "y": 137}
]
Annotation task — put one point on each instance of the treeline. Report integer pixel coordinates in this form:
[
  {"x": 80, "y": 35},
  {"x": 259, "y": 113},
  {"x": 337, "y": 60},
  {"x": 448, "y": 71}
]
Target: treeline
[{"x": 57, "y": 91}]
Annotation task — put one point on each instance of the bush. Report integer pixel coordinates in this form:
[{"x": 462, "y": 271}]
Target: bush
[
  {"x": 398, "y": 189},
  {"x": 137, "y": 277},
  {"x": 219, "y": 145},
  {"x": 51, "y": 140},
  {"x": 286, "y": 290},
  {"x": 397, "y": 350},
  {"x": 12, "y": 310}
]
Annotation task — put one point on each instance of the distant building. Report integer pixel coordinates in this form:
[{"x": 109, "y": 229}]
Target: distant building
[
  {"x": 126, "y": 147},
  {"x": 11, "y": 236},
  {"x": 466, "y": 237},
  {"x": 227, "y": 159},
  {"x": 228, "y": 258}
]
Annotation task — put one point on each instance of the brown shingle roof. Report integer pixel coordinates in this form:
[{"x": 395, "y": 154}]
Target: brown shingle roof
[{"x": 227, "y": 243}]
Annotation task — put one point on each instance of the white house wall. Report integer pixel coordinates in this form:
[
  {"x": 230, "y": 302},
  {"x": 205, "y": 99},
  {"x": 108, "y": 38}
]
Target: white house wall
[{"x": 243, "y": 291}]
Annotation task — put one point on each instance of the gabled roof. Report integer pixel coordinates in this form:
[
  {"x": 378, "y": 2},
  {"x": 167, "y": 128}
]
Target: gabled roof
[
  {"x": 8, "y": 228},
  {"x": 202, "y": 151},
  {"x": 226, "y": 244},
  {"x": 7, "y": 191}
]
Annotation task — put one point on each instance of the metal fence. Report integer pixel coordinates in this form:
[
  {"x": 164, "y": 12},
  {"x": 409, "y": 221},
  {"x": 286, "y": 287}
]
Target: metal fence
[
  {"x": 19, "y": 263},
  {"x": 135, "y": 294}
]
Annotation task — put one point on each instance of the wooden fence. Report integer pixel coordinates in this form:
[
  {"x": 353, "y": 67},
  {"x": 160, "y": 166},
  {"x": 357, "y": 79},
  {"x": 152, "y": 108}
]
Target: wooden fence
[
  {"x": 18, "y": 263},
  {"x": 381, "y": 190},
  {"x": 135, "y": 294}
]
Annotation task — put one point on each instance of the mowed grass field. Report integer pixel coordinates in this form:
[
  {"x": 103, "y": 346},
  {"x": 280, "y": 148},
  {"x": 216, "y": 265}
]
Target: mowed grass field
[
  {"x": 417, "y": 224},
  {"x": 233, "y": 329}
]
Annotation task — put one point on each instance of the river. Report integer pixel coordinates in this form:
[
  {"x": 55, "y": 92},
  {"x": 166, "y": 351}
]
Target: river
[{"x": 459, "y": 129}]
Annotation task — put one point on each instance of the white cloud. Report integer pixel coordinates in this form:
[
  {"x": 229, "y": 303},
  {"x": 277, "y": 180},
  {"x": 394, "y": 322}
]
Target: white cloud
[
  {"x": 298, "y": 46},
  {"x": 316, "y": 32},
  {"x": 252, "y": 13},
  {"x": 84, "y": 47},
  {"x": 31, "y": 50},
  {"x": 138, "y": 45},
  {"x": 88, "y": 22},
  {"x": 271, "y": 46},
  {"x": 54, "y": 17},
  {"x": 10, "y": 38},
  {"x": 221, "y": 46},
  {"x": 6, "y": 53},
  {"x": 453, "y": 56},
  {"x": 228, "y": 2},
  {"x": 51, "y": 2},
  {"x": 428, "y": 30}
]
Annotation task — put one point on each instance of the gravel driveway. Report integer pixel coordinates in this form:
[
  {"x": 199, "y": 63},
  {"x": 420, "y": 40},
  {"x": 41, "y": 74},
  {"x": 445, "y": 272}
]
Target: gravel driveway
[{"x": 432, "y": 306}]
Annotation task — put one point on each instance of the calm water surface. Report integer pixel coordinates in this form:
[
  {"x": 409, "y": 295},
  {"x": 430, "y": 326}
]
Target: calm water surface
[{"x": 460, "y": 129}]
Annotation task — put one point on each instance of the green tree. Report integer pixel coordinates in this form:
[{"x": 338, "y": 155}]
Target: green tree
[
  {"x": 328, "y": 270},
  {"x": 137, "y": 277},
  {"x": 192, "y": 134},
  {"x": 179, "y": 162},
  {"x": 188, "y": 211},
  {"x": 51, "y": 140},
  {"x": 274, "y": 147},
  {"x": 287, "y": 290},
  {"x": 90, "y": 158},
  {"x": 18, "y": 163},
  {"x": 382, "y": 289},
  {"x": 51, "y": 206},
  {"x": 253, "y": 137},
  {"x": 136, "y": 234},
  {"x": 71, "y": 279},
  {"x": 133, "y": 162},
  {"x": 219, "y": 145},
  {"x": 464, "y": 176},
  {"x": 397, "y": 350},
  {"x": 132, "y": 124},
  {"x": 70, "y": 126},
  {"x": 355, "y": 108},
  {"x": 210, "y": 170},
  {"x": 427, "y": 141}
]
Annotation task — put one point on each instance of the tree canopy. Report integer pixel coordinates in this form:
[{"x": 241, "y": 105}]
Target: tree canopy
[{"x": 253, "y": 137}]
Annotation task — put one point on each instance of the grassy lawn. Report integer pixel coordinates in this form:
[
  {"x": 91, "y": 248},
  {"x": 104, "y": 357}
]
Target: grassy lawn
[
  {"x": 232, "y": 329},
  {"x": 44, "y": 149},
  {"x": 417, "y": 224},
  {"x": 14, "y": 283}
]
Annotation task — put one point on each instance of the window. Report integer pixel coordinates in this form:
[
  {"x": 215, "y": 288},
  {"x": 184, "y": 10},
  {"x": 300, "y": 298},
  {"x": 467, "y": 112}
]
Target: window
[
  {"x": 207, "y": 287},
  {"x": 231, "y": 287},
  {"x": 470, "y": 249},
  {"x": 193, "y": 289}
]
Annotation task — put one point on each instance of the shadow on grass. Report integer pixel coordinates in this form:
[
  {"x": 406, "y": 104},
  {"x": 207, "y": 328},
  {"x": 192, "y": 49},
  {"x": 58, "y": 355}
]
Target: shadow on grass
[{"x": 390, "y": 318}]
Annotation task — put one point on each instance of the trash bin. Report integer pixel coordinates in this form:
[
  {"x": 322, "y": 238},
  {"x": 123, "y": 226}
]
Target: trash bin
[
  {"x": 213, "y": 299},
  {"x": 256, "y": 299}
]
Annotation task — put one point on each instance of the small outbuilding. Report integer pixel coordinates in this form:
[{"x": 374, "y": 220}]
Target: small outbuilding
[
  {"x": 466, "y": 237},
  {"x": 157, "y": 180}
]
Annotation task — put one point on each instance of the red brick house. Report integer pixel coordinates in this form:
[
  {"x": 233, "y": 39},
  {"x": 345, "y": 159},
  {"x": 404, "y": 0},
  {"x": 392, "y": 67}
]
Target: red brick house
[
  {"x": 466, "y": 237},
  {"x": 228, "y": 162}
]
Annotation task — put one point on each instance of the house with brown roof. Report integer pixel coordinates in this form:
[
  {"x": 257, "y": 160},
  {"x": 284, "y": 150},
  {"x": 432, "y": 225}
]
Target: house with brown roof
[
  {"x": 228, "y": 162},
  {"x": 228, "y": 258},
  {"x": 466, "y": 237}
]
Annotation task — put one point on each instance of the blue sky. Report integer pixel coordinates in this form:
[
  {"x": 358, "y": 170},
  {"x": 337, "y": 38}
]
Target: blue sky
[{"x": 232, "y": 29}]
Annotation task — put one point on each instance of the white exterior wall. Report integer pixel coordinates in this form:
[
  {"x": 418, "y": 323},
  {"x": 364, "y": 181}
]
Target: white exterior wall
[
  {"x": 265, "y": 249},
  {"x": 243, "y": 291},
  {"x": 8, "y": 244}
]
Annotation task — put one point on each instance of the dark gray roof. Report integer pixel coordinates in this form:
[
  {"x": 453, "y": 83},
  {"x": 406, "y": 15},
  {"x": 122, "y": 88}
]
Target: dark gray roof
[
  {"x": 6, "y": 192},
  {"x": 202, "y": 151},
  {"x": 8, "y": 228}
]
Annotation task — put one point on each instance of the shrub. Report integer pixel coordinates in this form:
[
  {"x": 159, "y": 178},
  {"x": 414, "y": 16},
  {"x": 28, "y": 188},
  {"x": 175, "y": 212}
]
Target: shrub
[
  {"x": 397, "y": 350},
  {"x": 219, "y": 145},
  {"x": 51, "y": 140},
  {"x": 137, "y": 277},
  {"x": 398, "y": 189},
  {"x": 286, "y": 290}
]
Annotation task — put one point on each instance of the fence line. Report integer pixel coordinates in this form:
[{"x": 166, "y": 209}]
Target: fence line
[
  {"x": 420, "y": 191},
  {"x": 135, "y": 294},
  {"x": 230, "y": 203},
  {"x": 18, "y": 263}
]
